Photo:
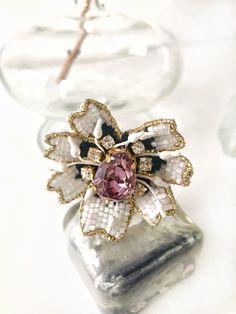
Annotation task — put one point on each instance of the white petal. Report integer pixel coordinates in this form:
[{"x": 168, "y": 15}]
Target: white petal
[
  {"x": 85, "y": 121},
  {"x": 58, "y": 166},
  {"x": 74, "y": 148},
  {"x": 158, "y": 181},
  {"x": 166, "y": 138},
  {"x": 89, "y": 193},
  {"x": 97, "y": 132},
  {"x": 177, "y": 170},
  {"x": 147, "y": 135},
  {"x": 67, "y": 185},
  {"x": 164, "y": 133},
  {"x": 134, "y": 137},
  {"x": 107, "y": 217},
  {"x": 150, "y": 207},
  {"x": 165, "y": 155},
  {"x": 60, "y": 149}
]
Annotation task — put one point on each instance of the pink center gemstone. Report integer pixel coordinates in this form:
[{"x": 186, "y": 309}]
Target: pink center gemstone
[{"x": 116, "y": 179}]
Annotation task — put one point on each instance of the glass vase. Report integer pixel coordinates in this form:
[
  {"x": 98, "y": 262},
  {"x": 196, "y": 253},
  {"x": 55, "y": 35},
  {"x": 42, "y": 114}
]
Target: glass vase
[{"x": 118, "y": 60}]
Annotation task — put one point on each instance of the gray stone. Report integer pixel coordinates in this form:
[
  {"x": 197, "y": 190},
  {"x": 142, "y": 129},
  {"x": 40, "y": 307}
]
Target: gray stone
[{"x": 123, "y": 277}]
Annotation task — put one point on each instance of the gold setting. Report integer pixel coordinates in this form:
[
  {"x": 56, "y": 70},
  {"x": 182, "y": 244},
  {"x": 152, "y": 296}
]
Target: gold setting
[
  {"x": 94, "y": 154},
  {"x": 140, "y": 190},
  {"x": 188, "y": 171},
  {"x": 138, "y": 147},
  {"x": 108, "y": 142},
  {"x": 145, "y": 164},
  {"x": 87, "y": 173},
  {"x": 169, "y": 193}
]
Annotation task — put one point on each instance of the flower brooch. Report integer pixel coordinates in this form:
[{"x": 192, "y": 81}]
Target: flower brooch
[{"x": 116, "y": 174}]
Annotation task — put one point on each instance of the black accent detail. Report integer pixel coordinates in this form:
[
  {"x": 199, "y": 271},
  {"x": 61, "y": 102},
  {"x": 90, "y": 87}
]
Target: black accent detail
[
  {"x": 108, "y": 130},
  {"x": 124, "y": 136},
  {"x": 84, "y": 147},
  {"x": 147, "y": 143},
  {"x": 156, "y": 163},
  {"x": 78, "y": 175}
]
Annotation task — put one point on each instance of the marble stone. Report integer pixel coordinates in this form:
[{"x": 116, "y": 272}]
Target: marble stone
[{"x": 123, "y": 277}]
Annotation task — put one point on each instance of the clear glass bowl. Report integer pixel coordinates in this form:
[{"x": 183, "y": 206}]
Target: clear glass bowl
[{"x": 123, "y": 62}]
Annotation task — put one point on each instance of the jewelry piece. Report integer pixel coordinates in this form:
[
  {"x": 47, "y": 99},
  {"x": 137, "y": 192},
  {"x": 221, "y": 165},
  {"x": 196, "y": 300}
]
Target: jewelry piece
[{"x": 117, "y": 174}]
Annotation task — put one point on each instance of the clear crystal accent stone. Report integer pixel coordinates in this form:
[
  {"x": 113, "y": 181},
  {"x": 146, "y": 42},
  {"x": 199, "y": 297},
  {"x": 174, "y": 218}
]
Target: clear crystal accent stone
[
  {"x": 87, "y": 173},
  {"x": 145, "y": 164},
  {"x": 108, "y": 142},
  {"x": 94, "y": 154},
  {"x": 138, "y": 147}
]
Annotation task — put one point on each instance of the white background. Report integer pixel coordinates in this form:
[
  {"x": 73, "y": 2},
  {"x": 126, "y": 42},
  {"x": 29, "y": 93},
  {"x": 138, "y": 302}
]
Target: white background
[{"x": 36, "y": 275}]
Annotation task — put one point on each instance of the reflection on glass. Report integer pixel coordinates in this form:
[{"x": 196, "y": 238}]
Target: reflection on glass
[
  {"x": 227, "y": 129},
  {"x": 90, "y": 53}
]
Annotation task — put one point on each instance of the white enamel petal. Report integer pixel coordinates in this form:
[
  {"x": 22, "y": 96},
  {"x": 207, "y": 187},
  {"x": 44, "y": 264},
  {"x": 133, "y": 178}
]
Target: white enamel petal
[
  {"x": 134, "y": 137},
  {"x": 74, "y": 147},
  {"x": 177, "y": 170},
  {"x": 165, "y": 155},
  {"x": 97, "y": 132},
  {"x": 166, "y": 138},
  {"x": 60, "y": 149},
  {"x": 155, "y": 179},
  {"x": 67, "y": 184},
  {"x": 151, "y": 206},
  {"x": 86, "y": 121},
  {"x": 110, "y": 217},
  {"x": 163, "y": 135}
]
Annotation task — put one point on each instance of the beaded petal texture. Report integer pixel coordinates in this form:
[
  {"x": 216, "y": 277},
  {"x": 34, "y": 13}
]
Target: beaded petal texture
[{"x": 117, "y": 174}]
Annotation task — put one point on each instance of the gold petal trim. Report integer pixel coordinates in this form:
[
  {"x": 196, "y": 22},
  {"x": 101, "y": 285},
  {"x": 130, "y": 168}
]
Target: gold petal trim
[
  {"x": 54, "y": 135},
  {"x": 85, "y": 107},
  {"x": 187, "y": 173},
  {"x": 158, "y": 219},
  {"x": 173, "y": 127},
  {"x": 59, "y": 190},
  {"x": 170, "y": 194},
  {"x": 102, "y": 231}
]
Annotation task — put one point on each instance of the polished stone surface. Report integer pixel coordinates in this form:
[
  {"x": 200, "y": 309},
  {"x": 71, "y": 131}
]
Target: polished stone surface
[{"x": 124, "y": 276}]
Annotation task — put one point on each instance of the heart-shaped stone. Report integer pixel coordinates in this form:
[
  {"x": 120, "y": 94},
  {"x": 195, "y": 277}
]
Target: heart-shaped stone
[{"x": 116, "y": 179}]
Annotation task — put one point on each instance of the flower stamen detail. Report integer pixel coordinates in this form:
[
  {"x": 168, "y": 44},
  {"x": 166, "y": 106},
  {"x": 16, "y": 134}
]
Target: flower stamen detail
[{"x": 161, "y": 211}]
